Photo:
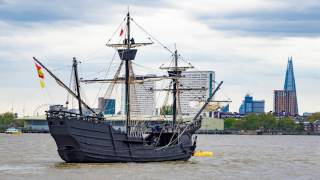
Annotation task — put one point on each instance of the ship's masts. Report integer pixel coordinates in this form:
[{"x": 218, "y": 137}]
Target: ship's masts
[
  {"x": 64, "y": 85},
  {"x": 75, "y": 69},
  {"x": 127, "y": 77},
  {"x": 174, "y": 90}
]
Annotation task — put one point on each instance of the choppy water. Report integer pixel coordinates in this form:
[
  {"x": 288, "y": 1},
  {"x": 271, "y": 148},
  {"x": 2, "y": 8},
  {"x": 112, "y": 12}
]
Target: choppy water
[{"x": 34, "y": 156}]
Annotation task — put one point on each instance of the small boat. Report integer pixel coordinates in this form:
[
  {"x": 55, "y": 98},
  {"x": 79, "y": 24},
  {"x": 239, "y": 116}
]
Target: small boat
[{"x": 12, "y": 130}]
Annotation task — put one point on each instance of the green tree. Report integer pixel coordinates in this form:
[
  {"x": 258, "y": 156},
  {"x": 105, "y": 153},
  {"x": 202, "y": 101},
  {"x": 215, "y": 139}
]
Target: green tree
[
  {"x": 6, "y": 119},
  {"x": 267, "y": 121},
  {"x": 314, "y": 117},
  {"x": 238, "y": 124},
  {"x": 166, "y": 110},
  {"x": 286, "y": 123},
  {"x": 250, "y": 122},
  {"x": 229, "y": 123}
]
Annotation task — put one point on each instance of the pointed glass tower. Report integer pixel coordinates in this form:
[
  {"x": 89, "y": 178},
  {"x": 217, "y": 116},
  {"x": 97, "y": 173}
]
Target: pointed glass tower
[
  {"x": 289, "y": 83},
  {"x": 285, "y": 102}
]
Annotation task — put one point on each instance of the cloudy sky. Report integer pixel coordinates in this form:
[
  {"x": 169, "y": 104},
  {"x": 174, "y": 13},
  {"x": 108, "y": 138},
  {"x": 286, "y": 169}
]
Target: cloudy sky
[{"x": 247, "y": 43}]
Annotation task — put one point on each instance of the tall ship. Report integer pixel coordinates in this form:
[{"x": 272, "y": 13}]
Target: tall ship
[{"x": 86, "y": 136}]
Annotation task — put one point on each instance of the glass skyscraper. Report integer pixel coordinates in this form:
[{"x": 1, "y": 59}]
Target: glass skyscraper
[
  {"x": 289, "y": 83},
  {"x": 251, "y": 106},
  {"x": 285, "y": 101}
]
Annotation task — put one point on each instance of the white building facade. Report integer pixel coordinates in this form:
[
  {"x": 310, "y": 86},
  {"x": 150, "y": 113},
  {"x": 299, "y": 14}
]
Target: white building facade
[
  {"x": 142, "y": 99},
  {"x": 195, "y": 80}
]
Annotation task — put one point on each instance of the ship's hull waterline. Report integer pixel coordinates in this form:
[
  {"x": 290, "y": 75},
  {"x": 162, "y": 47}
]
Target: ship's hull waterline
[{"x": 80, "y": 140}]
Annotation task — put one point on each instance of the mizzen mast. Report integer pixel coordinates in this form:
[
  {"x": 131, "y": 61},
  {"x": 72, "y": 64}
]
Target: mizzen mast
[{"x": 176, "y": 74}]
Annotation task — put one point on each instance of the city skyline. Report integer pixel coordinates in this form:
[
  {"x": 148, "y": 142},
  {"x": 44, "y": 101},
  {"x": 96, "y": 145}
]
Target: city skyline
[{"x": 246, "y": 43}]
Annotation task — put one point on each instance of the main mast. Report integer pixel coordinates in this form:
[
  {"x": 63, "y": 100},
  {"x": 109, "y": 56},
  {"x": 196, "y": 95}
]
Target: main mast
[
  {"x": 127, "y": 52},
  {"x": 127, "y": 76}
]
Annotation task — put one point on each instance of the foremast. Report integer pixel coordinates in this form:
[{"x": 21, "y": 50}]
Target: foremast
[
  {"x": 75, "y": 69},
  {"x": 76, "y": 95}
]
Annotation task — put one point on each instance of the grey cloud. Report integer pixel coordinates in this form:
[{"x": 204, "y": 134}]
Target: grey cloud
[
  {"x": 60, "y": 10},
  {"x": 287, "y": 21}
]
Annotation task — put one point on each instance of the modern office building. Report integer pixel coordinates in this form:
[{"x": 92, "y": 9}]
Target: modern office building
[
  {"x": 285, "y": 101},
  {"x": 251, "y": 106},
  {"x": 142, "y": 100},
  {"x": 195, "y": 80},
  {"x": 107, "y": 106}
]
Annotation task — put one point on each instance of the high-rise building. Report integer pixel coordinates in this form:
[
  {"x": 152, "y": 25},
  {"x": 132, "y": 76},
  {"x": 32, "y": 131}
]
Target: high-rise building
[
  {"x": 142, "y": 101},
  {"x": 285, "y": 101},
  {"x": 289, "y": 82},
  {"x": 195, "y": 80},
  {"x": 251, "y": 106}
]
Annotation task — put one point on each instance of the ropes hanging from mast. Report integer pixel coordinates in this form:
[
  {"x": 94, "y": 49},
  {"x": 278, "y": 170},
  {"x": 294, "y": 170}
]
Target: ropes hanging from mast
[
  {"x": 142, "y": 29},
  {"x": 70, "y": 82},
  {"x": 115, "y": 78},
  {"x": 120, "y": 25},
  {"x": 64, "y": 86}
]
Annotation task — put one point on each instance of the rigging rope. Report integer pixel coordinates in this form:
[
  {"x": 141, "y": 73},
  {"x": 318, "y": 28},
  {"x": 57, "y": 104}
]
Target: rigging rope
[
  {"x": 70, "y": 81},
  {"x": 116, "y": 30},
  {"x": 165, "y": 47},
  {"x": 107, "y": 72}
]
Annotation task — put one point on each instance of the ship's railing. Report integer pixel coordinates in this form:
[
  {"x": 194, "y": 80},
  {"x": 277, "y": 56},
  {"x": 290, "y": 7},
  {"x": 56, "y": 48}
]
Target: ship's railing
[
  {"x": 191, "y": 126},
  {"x": 145, "y": 126},
  {"x": 73, "y": 115}
]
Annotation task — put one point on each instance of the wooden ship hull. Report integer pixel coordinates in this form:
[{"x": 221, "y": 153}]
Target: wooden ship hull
[
  {"x": 88, "y": 137},
  {"x": 82, "y": 140}
]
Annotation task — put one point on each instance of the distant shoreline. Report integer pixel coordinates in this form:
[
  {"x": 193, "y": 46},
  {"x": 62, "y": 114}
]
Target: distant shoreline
[
  {"x": 220, "y": 133},
  {"x": 234, "y": 132}
]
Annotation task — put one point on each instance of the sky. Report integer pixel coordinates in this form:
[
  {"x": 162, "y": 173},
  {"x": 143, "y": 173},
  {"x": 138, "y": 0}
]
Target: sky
[{"x": 247, "y": 44}]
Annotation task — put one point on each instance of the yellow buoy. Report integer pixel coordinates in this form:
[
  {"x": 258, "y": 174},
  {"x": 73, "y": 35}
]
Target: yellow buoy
[{"x": 203, "y": 154}]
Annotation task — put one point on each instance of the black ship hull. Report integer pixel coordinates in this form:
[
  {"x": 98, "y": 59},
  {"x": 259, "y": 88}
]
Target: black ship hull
[{"x": 84, "y": 140}]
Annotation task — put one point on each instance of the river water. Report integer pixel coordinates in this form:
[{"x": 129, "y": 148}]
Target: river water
[{"x": 34, "y": 156}]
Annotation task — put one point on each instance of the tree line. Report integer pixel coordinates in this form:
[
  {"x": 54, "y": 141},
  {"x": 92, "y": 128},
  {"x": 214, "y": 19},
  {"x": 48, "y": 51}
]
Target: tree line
[
  {"x": 314, "y": 117},
  {"x": 265, "y": 121},
  {"x": 8, "y": 120}
]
